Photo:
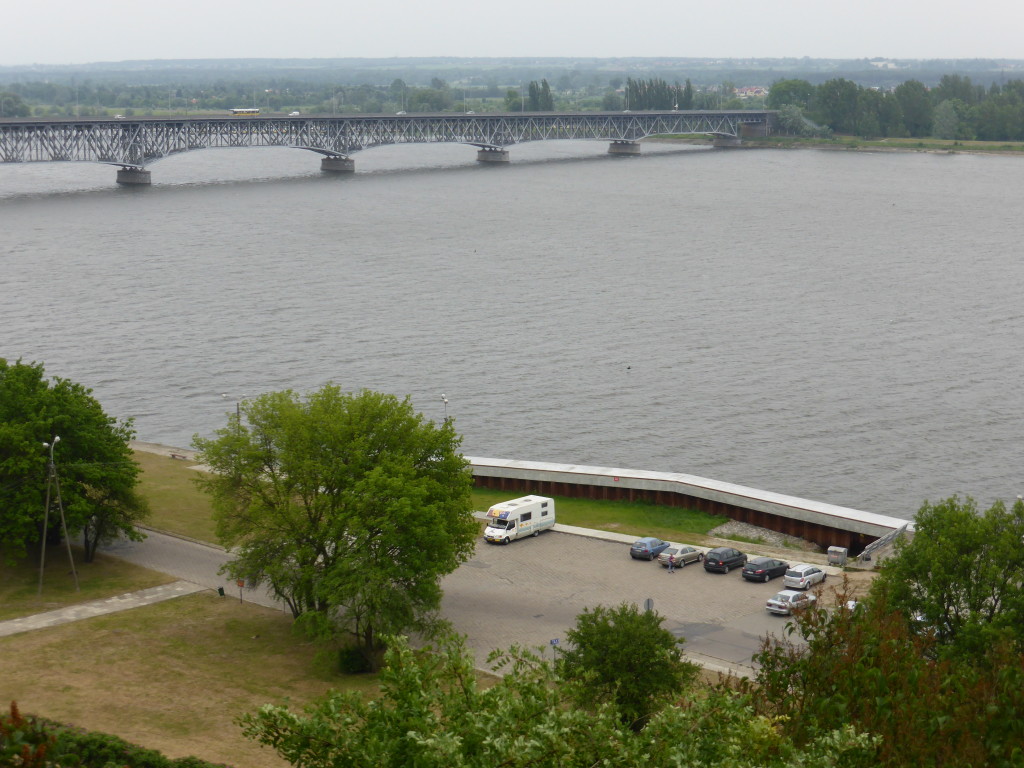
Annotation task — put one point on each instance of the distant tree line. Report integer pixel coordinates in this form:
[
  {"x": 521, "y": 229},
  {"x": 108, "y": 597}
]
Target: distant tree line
[{"x": 954, "y": 109}]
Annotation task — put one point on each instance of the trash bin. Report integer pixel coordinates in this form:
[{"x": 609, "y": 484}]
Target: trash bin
[{"x": 837, "y": 555}]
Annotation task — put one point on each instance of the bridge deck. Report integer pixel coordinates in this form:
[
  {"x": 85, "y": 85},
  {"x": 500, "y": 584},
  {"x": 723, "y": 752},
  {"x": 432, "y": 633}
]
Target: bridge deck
[{"x": 135, "y": 142}]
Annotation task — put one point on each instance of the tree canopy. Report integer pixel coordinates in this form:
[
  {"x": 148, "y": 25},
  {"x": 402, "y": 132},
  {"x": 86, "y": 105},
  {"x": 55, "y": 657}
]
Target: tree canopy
[
  {"x": 961, "y": 574},
  {"x": 350, "y": 506},
  {"x": 95, "y": 468},
  {"x": 625, "y": 657},
  {"x": 876, "y": 669},
  {"x": 433, "y": 712}
]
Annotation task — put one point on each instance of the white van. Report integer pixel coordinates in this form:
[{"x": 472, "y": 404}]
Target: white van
[{"x": 526, "y": 516}]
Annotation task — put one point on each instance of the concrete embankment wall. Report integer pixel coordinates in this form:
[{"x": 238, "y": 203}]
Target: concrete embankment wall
[{"x": 825, "y": 524}]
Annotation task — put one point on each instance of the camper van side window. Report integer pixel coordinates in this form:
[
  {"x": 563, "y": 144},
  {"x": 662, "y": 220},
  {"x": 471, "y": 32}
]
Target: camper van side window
[{"x": 526, "y": 516}]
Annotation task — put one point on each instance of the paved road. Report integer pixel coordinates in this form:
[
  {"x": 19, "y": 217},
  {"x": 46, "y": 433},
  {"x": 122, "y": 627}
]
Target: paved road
[{"x": 530, "y": 592}]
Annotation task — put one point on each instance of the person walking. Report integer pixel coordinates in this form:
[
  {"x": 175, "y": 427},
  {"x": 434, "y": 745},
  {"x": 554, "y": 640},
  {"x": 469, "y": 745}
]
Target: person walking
[{"x": 671, "y": 563}]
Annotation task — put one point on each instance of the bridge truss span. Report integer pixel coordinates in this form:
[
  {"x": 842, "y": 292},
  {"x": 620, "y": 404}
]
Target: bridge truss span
[{"x": 134, "y": 143}]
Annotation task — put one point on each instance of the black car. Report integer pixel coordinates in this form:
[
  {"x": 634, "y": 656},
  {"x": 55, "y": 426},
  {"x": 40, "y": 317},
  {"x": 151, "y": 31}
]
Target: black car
[
  {"x": 764, "y": 568},
  {"x": 723, "y": 559}
]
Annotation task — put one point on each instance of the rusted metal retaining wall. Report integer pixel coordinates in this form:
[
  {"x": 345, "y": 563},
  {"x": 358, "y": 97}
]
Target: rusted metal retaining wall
[{"x": 824, "y": 524}]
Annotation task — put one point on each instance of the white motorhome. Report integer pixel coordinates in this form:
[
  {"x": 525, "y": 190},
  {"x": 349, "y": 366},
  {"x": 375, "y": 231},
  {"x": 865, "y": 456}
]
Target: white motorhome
[{"x": 526, "y": 516}]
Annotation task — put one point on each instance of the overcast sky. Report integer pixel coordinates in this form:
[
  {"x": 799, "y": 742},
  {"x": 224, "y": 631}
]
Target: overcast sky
[{"x": 80, "y": 31}]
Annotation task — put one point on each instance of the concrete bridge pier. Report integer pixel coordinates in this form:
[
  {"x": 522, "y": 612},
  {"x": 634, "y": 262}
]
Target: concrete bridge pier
[
  {"x": 488, "y": 155},
  {"x": 134, "y": 176},
  {"x": 338, "y": 165},
  {"x": 624, "y": 148}
]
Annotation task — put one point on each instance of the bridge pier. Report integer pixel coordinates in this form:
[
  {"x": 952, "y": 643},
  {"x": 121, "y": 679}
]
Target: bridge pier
[
  {"x": 624, "y": 148},
  {"x": 338, "y": 165},
  {"x": 134, "y": 177},
  {"x": 488, "y": 155}
]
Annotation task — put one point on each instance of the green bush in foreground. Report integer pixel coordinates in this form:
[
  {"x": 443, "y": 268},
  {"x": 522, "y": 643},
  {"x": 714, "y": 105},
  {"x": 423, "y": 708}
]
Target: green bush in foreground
[{"x": 35, "y": 742}]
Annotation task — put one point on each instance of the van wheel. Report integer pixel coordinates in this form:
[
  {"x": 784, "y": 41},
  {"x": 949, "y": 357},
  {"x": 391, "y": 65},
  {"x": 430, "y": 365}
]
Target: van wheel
[
  {"x": 505, "y": 540},
  {"x": 536, "y": 533}
]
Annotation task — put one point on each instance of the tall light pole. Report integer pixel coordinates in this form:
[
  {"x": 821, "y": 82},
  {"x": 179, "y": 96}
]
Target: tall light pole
[
  {"x": 53, "y": 480},
  {"x": 445, "y": 401},
  {"x": 238, "y": 407}
]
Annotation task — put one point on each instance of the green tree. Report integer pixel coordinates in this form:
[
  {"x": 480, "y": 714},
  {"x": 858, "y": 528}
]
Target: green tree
[
  {"x": 961, "y": 574},
  {"x": 947, "y": 122},
  {"x": 11, "y": 105},
  {"x": 350, "y": 507},
  {"x": 623, "y": 656},
  {"x": 513, "y": 100},
  {"x": 433, "y": 713},
  {"x": 871, "y": 668},
  {"x": 96, "y": 471},
  {"x": 916, "y": 104},
  {"x": 836, "y": 104},
  {"x": 686, "y": 97},
  {"x": 783, "y": 92}
]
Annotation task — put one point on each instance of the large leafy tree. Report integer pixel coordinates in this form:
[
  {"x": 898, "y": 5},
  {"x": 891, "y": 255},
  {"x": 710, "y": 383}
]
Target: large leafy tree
[
  {"x": 95, "y": 468},
  {"x": 871, "y": 668},
  {"x": 916, "y": 104},
  {"x": 624, "y": 657},
  {"x": 349, "y": 506},
  {"x": 961, "y": 574},
  {"x": 797, "y": 92}
]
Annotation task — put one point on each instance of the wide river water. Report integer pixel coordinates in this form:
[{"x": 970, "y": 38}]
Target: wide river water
[{"x": 844, "y": 327}]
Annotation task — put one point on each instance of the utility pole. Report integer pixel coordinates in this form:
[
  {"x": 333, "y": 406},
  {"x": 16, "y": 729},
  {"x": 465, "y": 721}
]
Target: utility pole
[{"x": 53, "y": 480}]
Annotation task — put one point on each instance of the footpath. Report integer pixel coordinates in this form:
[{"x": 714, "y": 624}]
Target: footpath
[{"x": 99, "y": 607}]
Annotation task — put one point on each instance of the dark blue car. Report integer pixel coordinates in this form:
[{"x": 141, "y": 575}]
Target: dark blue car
[{"x": 647, "y": 548}]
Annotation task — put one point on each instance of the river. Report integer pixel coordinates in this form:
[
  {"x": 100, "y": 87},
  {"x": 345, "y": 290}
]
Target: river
[{"x": 842, "y": 326}]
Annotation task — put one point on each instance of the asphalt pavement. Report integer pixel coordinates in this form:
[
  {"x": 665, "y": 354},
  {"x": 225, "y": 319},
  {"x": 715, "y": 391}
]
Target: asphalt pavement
[{"x": 527, "y": 593}]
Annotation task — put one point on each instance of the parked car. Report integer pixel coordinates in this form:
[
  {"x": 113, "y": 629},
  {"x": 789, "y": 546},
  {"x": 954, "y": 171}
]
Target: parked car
[
  {"x": 683, "y": 555},
  {"x": 803, "y": 575},
  {"x": 647, "y": 548},
  {"x": 789, "y": 600},
  {"x": 764, "y": 568},
  {"x": 723, "y": 559}
]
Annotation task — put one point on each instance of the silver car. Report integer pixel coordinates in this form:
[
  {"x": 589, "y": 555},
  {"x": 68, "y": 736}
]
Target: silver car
[
  {"x": 803, "y": 576},
  {"x": 682, "y": 555},
  {"x": 789, "y": 600}
]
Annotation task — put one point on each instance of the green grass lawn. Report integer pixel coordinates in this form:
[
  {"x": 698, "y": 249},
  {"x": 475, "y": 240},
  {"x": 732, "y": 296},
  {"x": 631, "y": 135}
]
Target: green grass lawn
[
  {"x": 176, "y": 505},
  {"x": 104, "y": 577},
  {"x": 632, "y": 518},
  {"x": 171, "y": 676}
]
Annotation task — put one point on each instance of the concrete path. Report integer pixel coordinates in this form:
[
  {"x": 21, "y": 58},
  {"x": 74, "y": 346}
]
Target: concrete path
[{"x": 99, "y": 607}]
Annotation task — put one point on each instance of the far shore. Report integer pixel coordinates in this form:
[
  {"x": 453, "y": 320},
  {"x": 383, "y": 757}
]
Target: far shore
[{"x": 853, "y": 144}]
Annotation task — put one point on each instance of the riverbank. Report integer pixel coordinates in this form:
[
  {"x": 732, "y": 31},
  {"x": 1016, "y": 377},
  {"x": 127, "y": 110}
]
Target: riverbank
[{"x": 853, "y": 143}]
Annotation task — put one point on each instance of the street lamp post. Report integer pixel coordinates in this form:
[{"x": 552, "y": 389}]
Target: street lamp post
[
  {"x": 238, "y": 407},
  {"x": 53, "y": 480},
  {"x": 445, "y": 401}
]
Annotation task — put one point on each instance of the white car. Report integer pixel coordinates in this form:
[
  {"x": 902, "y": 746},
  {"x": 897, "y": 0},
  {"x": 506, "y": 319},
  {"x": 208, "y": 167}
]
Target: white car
[
  {"x": 789, "y": 600},
  {"x": 803, "y": 576},
  {"x": 293, "y": 114}
]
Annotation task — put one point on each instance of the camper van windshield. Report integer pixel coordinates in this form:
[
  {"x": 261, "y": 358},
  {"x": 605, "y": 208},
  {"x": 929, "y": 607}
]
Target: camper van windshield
[{"x": 503, "y": 524}]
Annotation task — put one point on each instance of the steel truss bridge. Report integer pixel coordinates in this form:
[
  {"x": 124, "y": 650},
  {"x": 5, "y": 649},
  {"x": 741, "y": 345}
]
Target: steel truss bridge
[{"x": 134, "y": 143}]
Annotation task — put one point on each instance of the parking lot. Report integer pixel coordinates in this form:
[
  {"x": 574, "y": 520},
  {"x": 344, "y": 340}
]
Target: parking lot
[{"x": 530, "y": 592}]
